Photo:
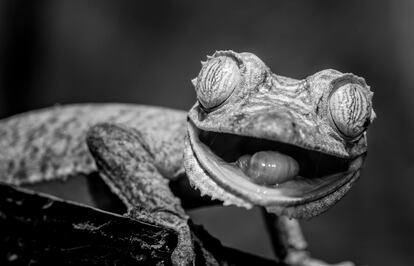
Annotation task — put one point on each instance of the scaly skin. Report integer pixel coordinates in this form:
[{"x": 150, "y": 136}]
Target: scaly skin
[
  {"x": 266, "y": 106},
  {"x": 139, "y": 149}
]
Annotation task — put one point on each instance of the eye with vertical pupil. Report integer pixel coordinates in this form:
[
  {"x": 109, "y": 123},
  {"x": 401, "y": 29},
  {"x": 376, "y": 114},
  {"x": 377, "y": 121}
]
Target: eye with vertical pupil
[
  {"x": 216, "y": 81},
  {"x": 350, "y": 110}
]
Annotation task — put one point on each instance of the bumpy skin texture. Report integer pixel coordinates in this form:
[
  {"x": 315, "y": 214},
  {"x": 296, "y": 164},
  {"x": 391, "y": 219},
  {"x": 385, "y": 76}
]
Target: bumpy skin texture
[
  {"x": 138, "y": 149},
  {"x": 51, "y": 143},
  {"x": 267, "y": 106}
]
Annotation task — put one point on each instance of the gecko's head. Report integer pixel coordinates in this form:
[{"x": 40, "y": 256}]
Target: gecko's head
[{"x": 292, "y": 146}]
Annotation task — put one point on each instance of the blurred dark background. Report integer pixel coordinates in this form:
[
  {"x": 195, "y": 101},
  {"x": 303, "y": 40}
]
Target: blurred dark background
[{"x": 148, "y": 51}]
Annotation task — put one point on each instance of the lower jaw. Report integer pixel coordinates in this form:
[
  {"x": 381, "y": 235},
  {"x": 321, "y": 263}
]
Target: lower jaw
[{"x": 291, "y": 193}]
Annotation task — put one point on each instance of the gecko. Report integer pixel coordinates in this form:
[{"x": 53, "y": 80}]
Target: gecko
[{"x": 253, "y": 138}]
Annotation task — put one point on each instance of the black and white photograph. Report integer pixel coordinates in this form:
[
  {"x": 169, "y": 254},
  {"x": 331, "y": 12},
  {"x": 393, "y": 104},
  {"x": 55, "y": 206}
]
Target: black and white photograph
[{"x": 207, "y": 132}]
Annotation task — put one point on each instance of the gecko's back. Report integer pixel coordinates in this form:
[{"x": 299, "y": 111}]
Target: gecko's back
[{"x": 51, "y": 143}]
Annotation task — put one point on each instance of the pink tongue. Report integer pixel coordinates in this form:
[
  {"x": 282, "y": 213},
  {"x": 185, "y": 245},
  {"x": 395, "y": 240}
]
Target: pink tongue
[{"x": 269, "y": 167}]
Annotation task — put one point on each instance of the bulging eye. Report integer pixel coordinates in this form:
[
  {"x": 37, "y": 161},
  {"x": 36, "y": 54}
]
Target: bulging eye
[
  {"x": 350, "y": 110},
  {"x": 216, "y": 81}
]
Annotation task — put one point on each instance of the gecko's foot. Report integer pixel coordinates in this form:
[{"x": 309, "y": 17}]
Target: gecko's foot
[
  {"x": 315, "y": 262},
  {"x": 302, "y": 258}
]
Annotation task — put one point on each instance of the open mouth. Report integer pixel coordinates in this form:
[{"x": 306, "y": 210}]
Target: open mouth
[{"x": 270, "y": 171}]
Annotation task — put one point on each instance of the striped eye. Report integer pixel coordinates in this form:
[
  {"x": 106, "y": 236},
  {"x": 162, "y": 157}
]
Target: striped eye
[
  {"x": 350, "y": 110},
  {"x": 216, "y": 81}
]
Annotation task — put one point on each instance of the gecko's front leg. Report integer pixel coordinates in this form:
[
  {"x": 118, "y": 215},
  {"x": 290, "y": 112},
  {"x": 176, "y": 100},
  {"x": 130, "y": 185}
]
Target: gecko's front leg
[
  {"x": 289, "y": 244},
  {"x": 129, "y": 170}
]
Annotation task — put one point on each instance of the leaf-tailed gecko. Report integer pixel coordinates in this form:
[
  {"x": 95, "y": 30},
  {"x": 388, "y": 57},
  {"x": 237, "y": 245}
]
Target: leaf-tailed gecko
[{"x": 253, "y": 138}]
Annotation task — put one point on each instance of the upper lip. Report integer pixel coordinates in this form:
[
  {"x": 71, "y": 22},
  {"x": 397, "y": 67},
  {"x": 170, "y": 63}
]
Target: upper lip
[{"x": 277, "y": 124}]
